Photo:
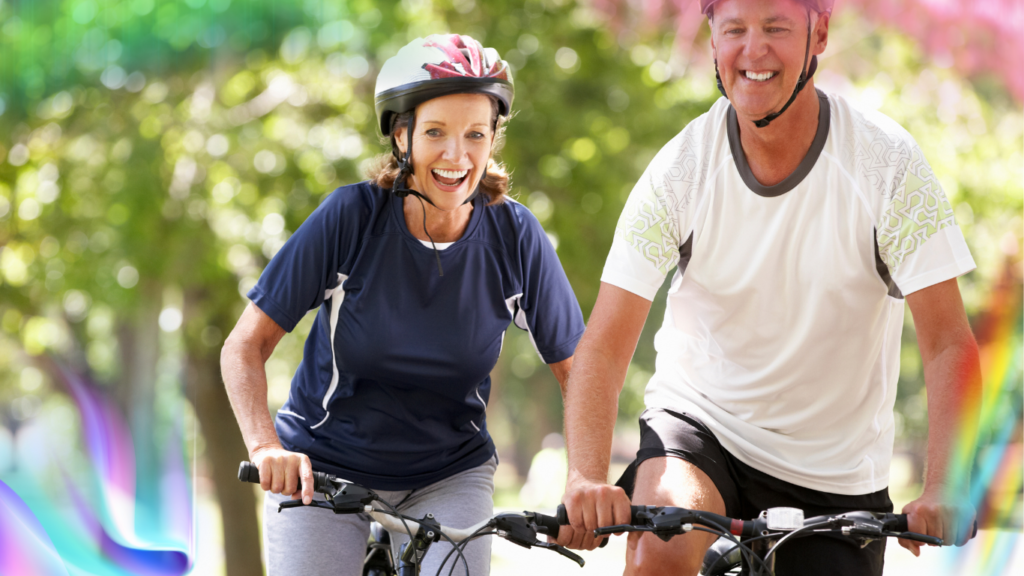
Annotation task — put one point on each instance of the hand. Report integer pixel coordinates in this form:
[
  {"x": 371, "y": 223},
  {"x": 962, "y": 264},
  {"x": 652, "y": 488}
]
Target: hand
[
  {"x": 934, "y": 515},
  {"x": 284, "y": 472},
  {"x": 591, "y": 505}
]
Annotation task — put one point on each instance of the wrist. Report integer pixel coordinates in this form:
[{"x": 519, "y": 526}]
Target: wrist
[
  {"x": 263, "y": 447},
  {"x": 578, "y": 477}
]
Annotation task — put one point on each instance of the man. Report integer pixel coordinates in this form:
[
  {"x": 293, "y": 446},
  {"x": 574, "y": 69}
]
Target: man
[{"x": 798, "y": 225}]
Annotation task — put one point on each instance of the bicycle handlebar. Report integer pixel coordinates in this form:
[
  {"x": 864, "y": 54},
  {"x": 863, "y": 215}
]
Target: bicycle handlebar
[
  {"x": 518, "y": 528},
  {"x": 671, "y": 520},
  {"x": 248, "y": 472}
]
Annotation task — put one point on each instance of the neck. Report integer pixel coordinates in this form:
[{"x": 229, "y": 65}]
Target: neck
[
  {"x": 775, "y": 151},
  {"x": 443, "y": 226}
]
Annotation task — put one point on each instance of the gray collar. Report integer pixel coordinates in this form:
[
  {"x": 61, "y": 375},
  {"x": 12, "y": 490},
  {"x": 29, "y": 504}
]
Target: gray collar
[{"x": 801, "y": 171}]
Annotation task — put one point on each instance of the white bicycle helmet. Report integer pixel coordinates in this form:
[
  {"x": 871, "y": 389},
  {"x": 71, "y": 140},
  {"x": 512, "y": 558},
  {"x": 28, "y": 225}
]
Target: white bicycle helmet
[{"x": 438, "y": 65}]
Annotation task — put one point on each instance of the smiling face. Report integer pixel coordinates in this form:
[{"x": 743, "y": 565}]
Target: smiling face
[
  {"x": 450, "y": 147},
  {"x": 760, "y": 47}
]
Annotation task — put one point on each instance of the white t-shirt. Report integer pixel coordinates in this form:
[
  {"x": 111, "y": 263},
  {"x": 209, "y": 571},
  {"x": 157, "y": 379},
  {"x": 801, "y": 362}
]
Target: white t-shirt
[{"x": 782, "y": 331}]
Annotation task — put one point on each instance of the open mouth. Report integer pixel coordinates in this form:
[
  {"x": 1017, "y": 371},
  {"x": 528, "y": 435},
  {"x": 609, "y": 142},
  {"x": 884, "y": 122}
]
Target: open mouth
[
  {"x": 449, "y": 179},
  {"x": 759, "y": 76}
]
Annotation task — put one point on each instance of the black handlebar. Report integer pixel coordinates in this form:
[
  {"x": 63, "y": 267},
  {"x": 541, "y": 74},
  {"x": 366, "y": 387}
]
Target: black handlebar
[
  {"x": 248, "y": 472},
  {"x": 549, "y": 524},
  {"x": 670, "y": 520}
]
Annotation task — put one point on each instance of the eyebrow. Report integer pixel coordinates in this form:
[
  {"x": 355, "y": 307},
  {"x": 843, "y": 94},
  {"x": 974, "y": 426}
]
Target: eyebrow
[
  {"x": 768, "y": 20},
  {"x": 440, "y": 123}
]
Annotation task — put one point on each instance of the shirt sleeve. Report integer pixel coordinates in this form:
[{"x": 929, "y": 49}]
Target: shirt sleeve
[
  {"x": 918, "y": 238},
  {"x": 648, "y": 235},
  {"x": 548, "y": 308},
  {"x": 305, "y": 270}
]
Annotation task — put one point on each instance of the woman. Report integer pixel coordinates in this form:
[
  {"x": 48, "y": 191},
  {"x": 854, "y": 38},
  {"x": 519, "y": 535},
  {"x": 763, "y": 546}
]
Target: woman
[{"x": 415, "y": 274}]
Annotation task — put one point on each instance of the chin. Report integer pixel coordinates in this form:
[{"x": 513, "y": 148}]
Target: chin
[{"x": 754, "y": 105}]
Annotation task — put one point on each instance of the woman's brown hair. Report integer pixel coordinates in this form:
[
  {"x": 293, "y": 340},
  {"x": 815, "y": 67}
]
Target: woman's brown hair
[{"x": 495, "y": 185}]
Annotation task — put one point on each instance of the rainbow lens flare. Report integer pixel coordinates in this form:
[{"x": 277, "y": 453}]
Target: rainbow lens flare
[
  {"x": 993, "y": 452},
  {"x": 83, "y": 514}
]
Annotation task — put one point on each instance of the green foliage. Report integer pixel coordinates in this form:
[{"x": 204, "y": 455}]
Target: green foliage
[{"x": 152, "y": 143}]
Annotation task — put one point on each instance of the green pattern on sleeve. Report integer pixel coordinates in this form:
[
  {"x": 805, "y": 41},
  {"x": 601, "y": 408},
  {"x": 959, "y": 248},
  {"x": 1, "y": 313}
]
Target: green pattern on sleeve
[
  {"x": 917, "y": 210},
  {"x": 647, "y": 226}
]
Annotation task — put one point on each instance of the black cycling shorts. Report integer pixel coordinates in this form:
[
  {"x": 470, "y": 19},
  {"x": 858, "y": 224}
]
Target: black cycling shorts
[{"x": 746, "y": 492}]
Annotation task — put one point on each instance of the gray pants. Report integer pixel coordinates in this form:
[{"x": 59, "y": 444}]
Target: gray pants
[{"x": 309, "y": 541}]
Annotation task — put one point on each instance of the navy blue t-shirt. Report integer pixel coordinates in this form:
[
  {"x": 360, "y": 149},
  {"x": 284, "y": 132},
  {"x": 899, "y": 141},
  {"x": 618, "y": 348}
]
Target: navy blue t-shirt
[{"x": 395, "y": 375}]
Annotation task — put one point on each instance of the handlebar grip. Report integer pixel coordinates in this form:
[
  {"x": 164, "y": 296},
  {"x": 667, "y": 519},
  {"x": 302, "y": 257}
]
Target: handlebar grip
[
  {"x": 633, "y": 512},
  {"x": 563, "y": 520},
  {"x": 549, "y": 524},
  {"x": 248, "y": 472},
  {"x": 561, "y": 516},
  {"x": 902, "y": 525}
]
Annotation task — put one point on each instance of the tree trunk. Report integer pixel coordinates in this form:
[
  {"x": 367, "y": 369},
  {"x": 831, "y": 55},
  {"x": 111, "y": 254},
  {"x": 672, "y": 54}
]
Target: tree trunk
[
  {"x": 138, "y": 340},
  {"x": 224, "y": 450}
]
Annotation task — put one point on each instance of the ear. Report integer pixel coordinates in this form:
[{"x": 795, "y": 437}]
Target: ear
[
  {"x": 399, "y": 137},
  {"x": 821, "y": 33}
]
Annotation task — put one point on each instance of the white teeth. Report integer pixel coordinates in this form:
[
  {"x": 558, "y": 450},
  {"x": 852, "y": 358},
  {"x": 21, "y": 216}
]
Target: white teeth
[
  {"x": 760, "y": 77},
  {"x": 450, "y": 173}
]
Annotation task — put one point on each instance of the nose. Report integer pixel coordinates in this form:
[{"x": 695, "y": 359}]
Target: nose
[
  {"x": 454, "y": 149},
  {"x": 756, "y": 45}
]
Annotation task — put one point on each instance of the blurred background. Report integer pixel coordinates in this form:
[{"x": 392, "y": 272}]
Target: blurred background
[{"x": 155, "y": 154}]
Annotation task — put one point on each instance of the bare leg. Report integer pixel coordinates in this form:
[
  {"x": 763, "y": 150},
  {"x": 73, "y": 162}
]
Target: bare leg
[{"x": 671, "y": 482}]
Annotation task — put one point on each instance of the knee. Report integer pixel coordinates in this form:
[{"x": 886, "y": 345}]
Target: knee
[{"x": 652, "y": 557}]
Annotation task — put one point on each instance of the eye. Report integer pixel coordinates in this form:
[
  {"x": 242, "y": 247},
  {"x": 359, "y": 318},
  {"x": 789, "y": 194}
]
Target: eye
[
  {"x": 433, "y": 132},
  {"x": 776, "y": 29},
  {"x": 476, "y": 135}
]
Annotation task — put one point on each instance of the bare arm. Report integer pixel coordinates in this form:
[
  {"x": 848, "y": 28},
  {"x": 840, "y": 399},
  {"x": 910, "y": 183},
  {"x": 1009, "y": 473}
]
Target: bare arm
[
  {"x": 592, "y": 400},
  {"x": 242, "y": 364},
  {"x": 561, "y": 372},
  {"x": 952, "y": 376}
]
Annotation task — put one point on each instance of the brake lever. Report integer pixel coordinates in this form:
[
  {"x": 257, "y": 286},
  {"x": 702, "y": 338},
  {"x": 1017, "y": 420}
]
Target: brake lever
[
  {"x": 561, "y": 550},
  {"x": 923, "y": 538},
  {"x": 299, "y": 504}
]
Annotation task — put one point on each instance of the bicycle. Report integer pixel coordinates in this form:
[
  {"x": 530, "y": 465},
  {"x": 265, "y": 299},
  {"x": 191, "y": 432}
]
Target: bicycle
[
  {"x": 748, "y": 547},
  {"x": 344, "y": 497}
]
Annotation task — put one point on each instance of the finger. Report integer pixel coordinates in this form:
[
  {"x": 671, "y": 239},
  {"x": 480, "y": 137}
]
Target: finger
[
  {"x": 621, "y": 510},
  {"x": 915, "y": 521},
  {"x": 563, "y": 537},
  {"x": 291, "y": 475},
  {"x": 968, "y": 528},
  {"x": 572, "y": 511},
  {"x": 633, "y": 540},
  {"x": 567, "y": 537},
  {"x": 277, "y": 475},
  {"x": 605, "y": 512},
  {"x": 965, "y": 525},
  {"x": 952, "y": 523},
  {"x": 588, "y": 522},
  {"x": 588, "y": 513},
  {"x": 914, "y": 547},
  {"x": 265, "y": 473},
  {"x": 306, "y": 475},
  {"x": 937, "y": 525},
  {"x": 578, "y": 538}
]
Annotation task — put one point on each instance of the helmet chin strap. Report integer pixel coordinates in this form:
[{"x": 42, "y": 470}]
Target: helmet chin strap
[
  {"x": 400, "y": 186},
  {"x": 805, "y": 75}
]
